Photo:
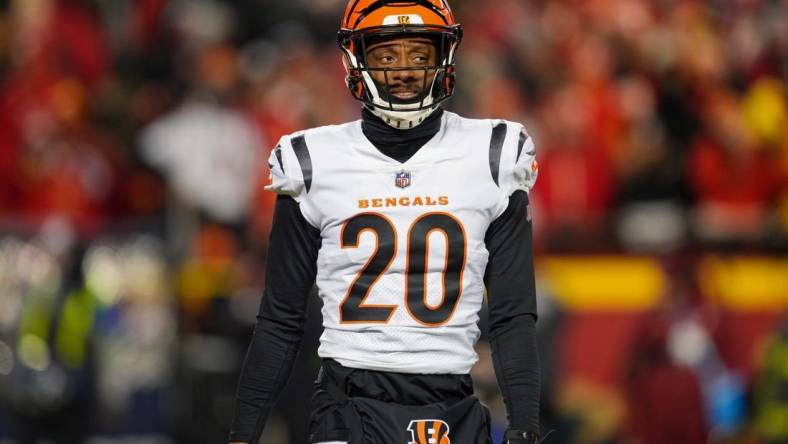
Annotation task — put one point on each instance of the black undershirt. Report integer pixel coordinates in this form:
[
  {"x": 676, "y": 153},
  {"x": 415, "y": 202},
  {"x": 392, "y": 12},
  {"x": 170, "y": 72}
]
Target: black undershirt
[{"x": 290, "y": 275}]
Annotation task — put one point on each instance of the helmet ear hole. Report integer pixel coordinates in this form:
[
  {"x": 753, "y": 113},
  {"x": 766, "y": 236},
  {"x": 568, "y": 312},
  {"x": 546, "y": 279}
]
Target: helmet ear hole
[
  {"x": 355, "y": 83},
  {"x": 449, "y": 80},
  {"x": 440, "y": 84},
  {"x": 444, "y": 83}
]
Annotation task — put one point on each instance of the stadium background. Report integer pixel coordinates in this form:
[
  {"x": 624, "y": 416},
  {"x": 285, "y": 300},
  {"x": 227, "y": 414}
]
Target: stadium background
[{"x": 133, "y": 224}]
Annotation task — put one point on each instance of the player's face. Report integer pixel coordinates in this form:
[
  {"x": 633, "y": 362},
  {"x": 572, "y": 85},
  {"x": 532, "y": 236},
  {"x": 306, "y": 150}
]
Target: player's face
[{"x": 404, "y": 85}]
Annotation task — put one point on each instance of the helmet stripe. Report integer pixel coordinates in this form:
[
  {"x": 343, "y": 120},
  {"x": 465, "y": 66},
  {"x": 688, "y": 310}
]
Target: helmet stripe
[{"x": 364, "y": 13}]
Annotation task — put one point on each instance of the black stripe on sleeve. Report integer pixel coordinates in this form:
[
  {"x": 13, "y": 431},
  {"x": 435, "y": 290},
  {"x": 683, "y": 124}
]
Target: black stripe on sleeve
[
  {"x": 496, "y": 145},
  {"x": 302, "y": 153},
  {"x": 278, "y": 152},
  {"x": 523, "y": 138}
]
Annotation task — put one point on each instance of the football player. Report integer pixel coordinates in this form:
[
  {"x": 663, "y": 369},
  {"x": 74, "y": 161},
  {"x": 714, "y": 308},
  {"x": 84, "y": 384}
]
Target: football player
[{"x": 402, "y": 219}]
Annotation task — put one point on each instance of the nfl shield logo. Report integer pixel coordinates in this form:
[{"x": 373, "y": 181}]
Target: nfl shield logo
[{"x": 402, "y": 179}]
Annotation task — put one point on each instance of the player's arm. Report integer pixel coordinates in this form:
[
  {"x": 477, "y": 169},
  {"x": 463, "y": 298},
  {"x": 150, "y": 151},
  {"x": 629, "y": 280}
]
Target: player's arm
[
  {"x": 512, "y": 305},
  {"x": 290, "y": 275}
]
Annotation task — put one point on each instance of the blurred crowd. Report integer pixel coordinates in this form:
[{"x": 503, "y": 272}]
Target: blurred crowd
[{"x": 133, "y": 222}]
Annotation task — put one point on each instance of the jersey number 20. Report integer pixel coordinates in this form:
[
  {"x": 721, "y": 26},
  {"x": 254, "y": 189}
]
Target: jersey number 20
[{"x": 352, "y": 309}]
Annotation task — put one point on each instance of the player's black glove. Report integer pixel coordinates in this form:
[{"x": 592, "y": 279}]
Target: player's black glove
[{"x": 520, "y": 437}]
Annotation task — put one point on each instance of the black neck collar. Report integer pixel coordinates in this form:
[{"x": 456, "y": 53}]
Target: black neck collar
[{"x": 399, "y": 144}]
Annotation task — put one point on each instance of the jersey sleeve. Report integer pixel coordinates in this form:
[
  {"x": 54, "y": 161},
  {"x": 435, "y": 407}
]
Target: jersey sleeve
[
  {"x": 286, "y": 177},
  {"x": 518, "y": 167}
]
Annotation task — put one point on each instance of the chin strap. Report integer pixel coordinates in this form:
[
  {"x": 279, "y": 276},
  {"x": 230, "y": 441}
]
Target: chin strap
[
  {"x": 521, "y": 437},
  {"x": 402, "y": 119}
]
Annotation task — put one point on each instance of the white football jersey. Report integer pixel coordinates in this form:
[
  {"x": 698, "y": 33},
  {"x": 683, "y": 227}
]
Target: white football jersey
[{"x": 402, "y": 260}]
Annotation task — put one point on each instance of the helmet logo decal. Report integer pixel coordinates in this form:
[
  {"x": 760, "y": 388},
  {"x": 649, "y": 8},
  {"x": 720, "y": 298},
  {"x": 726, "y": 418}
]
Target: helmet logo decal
[
  {"x": 403, "y": 19},
  {"x": 402, "y": 179},
  {"x": 428, "y": 431}
]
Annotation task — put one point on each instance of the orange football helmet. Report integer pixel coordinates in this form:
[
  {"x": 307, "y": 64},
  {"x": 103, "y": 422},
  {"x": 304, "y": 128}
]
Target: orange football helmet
[{"x": 373, "y": 20}]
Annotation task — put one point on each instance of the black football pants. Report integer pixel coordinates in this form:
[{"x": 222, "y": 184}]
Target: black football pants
[{"x": 371, "y": 407}]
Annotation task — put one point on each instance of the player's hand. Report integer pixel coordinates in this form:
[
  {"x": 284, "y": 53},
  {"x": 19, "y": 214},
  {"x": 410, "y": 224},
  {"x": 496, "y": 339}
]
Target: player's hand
[
  {"x": 520, "y": 437},
  {"x": 513, "y": 436},
  {"x": 238, "y": 442}
]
